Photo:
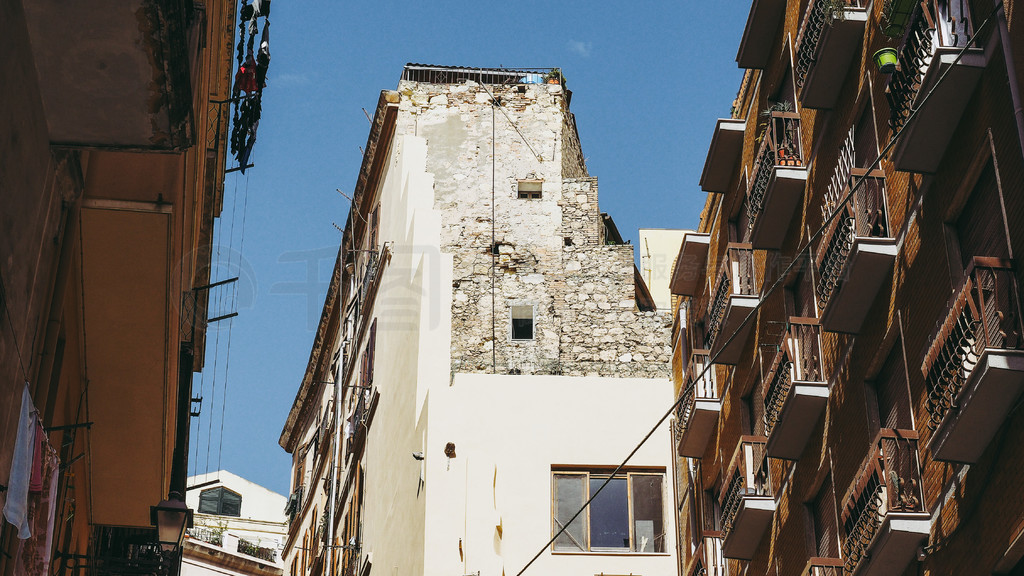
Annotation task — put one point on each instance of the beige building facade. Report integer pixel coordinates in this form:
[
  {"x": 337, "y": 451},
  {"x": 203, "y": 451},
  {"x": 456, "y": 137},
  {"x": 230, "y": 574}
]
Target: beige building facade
[{"x": 485, "y": 357}]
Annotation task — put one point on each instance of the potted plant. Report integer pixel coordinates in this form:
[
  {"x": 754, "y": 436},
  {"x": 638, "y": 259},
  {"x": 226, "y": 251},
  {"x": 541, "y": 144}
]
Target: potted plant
[
  {"x": 895, "y": 15},
  {"x": 555, "y": 77},
  {"x": 833, "y": 10},
  {"x": 886, "y": 60}
]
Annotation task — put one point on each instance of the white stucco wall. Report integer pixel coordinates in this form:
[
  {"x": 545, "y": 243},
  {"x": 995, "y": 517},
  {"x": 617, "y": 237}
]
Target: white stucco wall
[
  {"x": 509, "y": 431},
  {"x": 261, "y": 521},
  {"x": 658, "y": 251}
]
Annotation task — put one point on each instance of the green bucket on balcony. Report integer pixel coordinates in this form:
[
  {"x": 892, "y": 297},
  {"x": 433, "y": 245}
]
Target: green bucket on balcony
[{"x": 885, "y": 59}]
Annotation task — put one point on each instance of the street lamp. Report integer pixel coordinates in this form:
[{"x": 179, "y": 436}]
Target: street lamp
[{"x": 171, "y": 517}]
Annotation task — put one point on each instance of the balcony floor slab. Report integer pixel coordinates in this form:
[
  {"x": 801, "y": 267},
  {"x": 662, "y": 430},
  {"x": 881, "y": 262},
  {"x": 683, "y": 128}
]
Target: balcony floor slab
[
  {"x": 836, "y": 48},
  {"x": 759, "y": 33},
  {"x": 694, "y": 440},
  {"x": 867, "y": 267},
  {"x": 752, "y": 520},
  {"x": 688, "y": 274},
  {"x": 895, "y": 544},
  {"x": 799, "y": 415},
  {"x": 780, "y": 201},
  {"x": 992, "y": 389},
  {"x": 924, "y": 139},
  {"x": 736, "y": 312}
]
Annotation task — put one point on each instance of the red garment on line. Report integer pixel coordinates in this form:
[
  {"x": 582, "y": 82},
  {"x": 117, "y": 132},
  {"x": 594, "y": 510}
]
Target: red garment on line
[{"x": 35, "y": 482}]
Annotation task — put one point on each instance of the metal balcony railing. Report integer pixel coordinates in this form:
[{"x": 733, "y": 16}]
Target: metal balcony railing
[
  {"x": 888, "y": 481},
  {"x": 697, "y": 386},
  {"x": 369, "y": 273},
  {"x": 934, "y": 24},
  {"x": 780, "y": 147},
  {"x": 256, "y": 551},
  {"x": 862, "y": 215},
  {"x": 817, "y": 17},
  {"x": 210, "y": 536},
  {"x": 799, "y": 359},
  {"x": 748, "y": 475},
  {"x": 985, "y": 313},
  {"x": 735, "y": 277},
  {"x": 824, "y": 567}
]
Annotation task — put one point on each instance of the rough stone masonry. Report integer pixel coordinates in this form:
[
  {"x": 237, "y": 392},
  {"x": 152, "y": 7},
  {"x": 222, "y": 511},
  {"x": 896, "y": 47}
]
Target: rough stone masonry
[{"x": 548, "y": 254}]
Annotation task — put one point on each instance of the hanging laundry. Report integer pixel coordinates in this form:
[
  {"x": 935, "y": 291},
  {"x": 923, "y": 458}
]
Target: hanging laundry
[
  {"x": 263, "y": 57},
  {"x": 35, "y": 483},
  {"x": 16, "y": 507},
  {"x": 33, "y": 555},
  {"x": 245, "y": 78}
]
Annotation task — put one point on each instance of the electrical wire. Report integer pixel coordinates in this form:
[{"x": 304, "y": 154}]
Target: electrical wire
[
  {"x": 778, "y": 282},
  {"x": 14, "y": 333}
]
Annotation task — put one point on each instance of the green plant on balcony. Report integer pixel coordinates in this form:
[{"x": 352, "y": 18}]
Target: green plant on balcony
[
  {"x": 555, "y": 77},
  {"x": 834, "y": 10},
  {"x": 895, "y": 16}
]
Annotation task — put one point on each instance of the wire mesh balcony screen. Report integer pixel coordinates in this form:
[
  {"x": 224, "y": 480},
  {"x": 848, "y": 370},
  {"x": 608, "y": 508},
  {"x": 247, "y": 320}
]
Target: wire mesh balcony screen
[
  {"x": 735, "y": 277},
  {"x": 780, "y": 147},
  {"x": 934, "y": 24},
  {"x": 863, "y": 215},
  {"x": 984, "y": 314},
  {"x": 748, "y": 476},
  {"x": 888, "y": 481},
  {"x": 819, "y": 14}
]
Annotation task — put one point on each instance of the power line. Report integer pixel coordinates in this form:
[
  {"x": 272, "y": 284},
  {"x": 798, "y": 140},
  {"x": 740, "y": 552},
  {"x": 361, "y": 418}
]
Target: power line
[
  {"x": 14, "y": 333},
  {"x": 778, "y": 282}
]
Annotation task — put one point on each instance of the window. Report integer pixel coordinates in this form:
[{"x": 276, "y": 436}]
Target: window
[
  {"x": 220, "y": 501},
  {"x": 626, "y": 516},
  {"x": 530, "y": 189},
  {"x": 522, "y": 322},
  {"x": 823, "y": 521},
  {"x": 979, "y": 227},
  {"x": 892, "y": 397}
]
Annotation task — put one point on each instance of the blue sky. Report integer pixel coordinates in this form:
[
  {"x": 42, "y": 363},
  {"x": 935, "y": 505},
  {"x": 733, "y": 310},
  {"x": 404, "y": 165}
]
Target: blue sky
[{"x": 649, "y": 79}]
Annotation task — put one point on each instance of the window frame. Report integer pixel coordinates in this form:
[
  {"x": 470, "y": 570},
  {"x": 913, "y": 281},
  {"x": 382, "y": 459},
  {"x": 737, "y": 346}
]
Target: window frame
[
  {"x": 512, "y": 318},
  {"x": 592, "y": 473},
  {"x": 220, "y": 501}
]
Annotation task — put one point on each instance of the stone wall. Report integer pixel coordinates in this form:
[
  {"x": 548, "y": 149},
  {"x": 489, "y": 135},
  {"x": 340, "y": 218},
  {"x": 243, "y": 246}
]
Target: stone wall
[{"x": 545, "y": 253}]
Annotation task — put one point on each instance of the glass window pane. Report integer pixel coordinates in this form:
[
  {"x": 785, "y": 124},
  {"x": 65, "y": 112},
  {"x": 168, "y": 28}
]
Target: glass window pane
[
  {"x": 647, "y": 513},
  {"x": 609, "y": 514},
  {"x": 569, "y": 496},
  {"x": 231, "y": 504},
  {"x": 209, "y": 501},
  {"x": 522, "y": 322}
]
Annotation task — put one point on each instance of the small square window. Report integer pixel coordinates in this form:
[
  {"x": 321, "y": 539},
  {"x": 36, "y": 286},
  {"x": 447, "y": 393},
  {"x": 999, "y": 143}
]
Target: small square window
[
  {"x": 530, "y": 189},
  {"x": 522, "y": 322}
]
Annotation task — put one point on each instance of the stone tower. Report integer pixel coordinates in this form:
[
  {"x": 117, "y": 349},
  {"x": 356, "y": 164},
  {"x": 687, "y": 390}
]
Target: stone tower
[{"x": 542, "y": 282}]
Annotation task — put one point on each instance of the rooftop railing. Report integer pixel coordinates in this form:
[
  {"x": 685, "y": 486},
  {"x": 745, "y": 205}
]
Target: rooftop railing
[
  {"x": 984, "y": 314},
  {"x": 454, "y": 75},
  {"x": 256, "y": 551}
]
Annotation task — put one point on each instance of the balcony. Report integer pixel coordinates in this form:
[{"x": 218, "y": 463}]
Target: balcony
[
  {"x": 759, "y": 33},
  {"x": 733, "y": 298},
  {"x": 779, "y": 176},
  {"x": 795, "y": 390},
  {"x": 974, "y": 370},
  {"x": 938, "y": 30},
  {"x": 724, "y": 152},
  {"x": 883, "y": 514},
  {"x": 709, "y": 560},
  {"x": 688, "y": 274},
  {"x": 823, "y": 567},
  {"x": 116, "y": 75},
  {"x": 856, "y": 254},
  {"x": 256, "y": 551},
  {"x": 697, "y": 414},
  {"x": 748, "y": 503},
  {"x": 826, "y": 46}
]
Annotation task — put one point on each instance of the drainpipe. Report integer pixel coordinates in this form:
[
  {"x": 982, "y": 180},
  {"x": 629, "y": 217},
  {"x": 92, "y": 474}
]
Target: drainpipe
[{"x": 1011, "y": 71}]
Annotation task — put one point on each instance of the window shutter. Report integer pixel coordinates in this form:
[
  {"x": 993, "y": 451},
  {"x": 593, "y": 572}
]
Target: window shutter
[
  {"x": 826, "y": 532},
  {"x": 891, "y": 391},
  {"x": 979, "y": 227},
  {"x": 208, "y": 501}
]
